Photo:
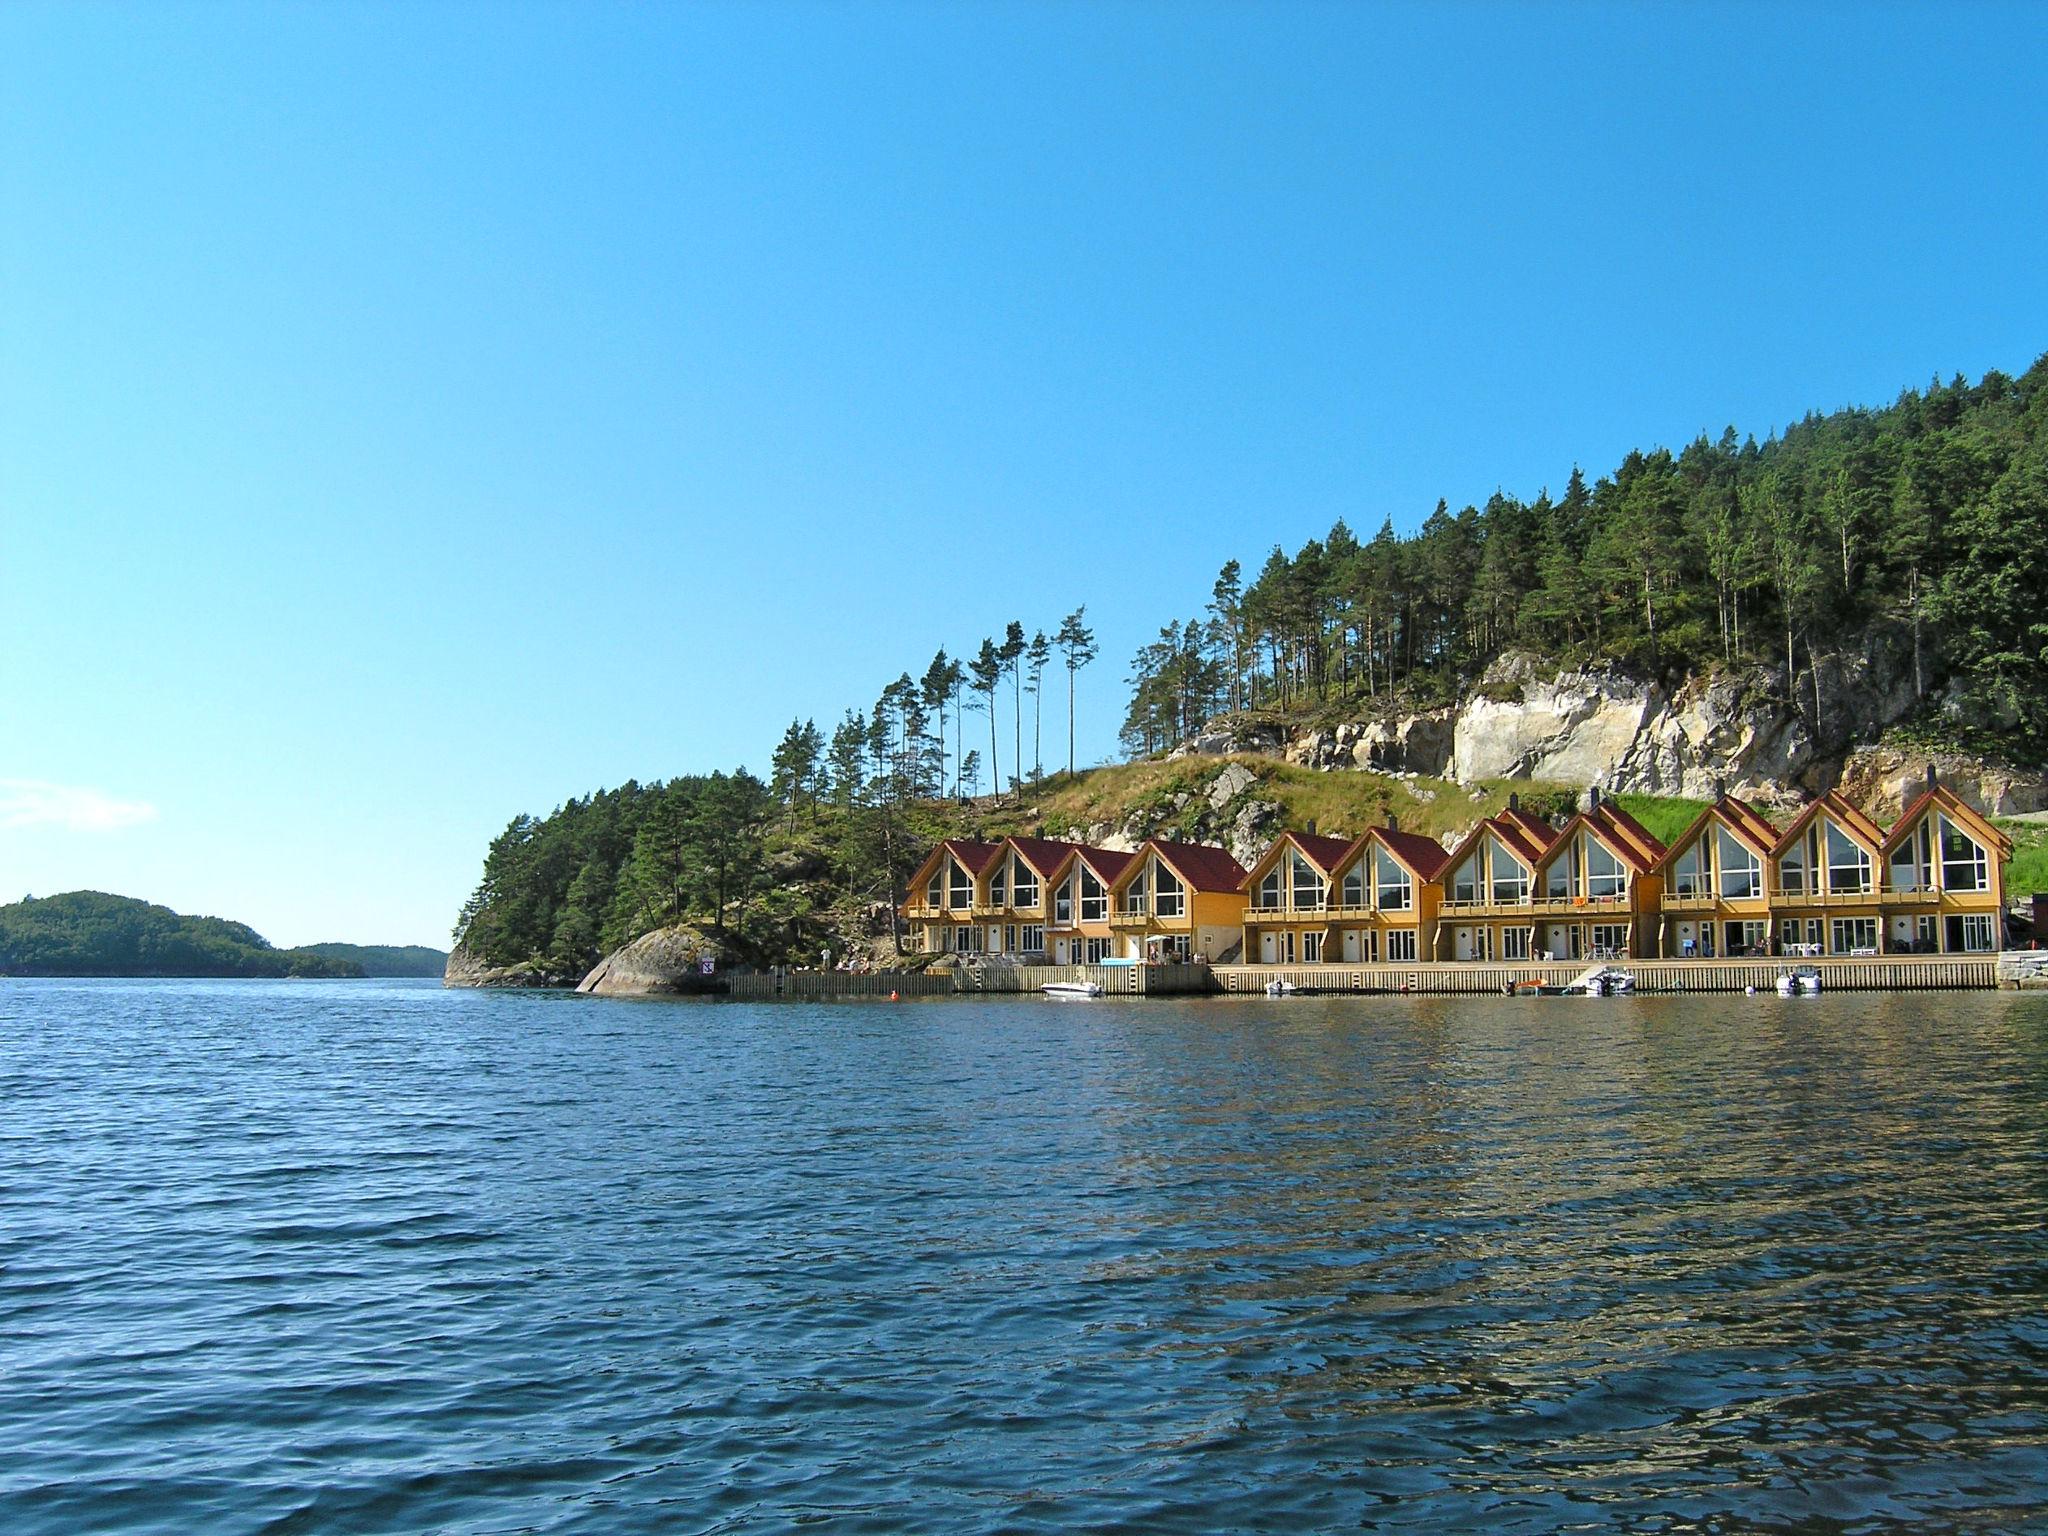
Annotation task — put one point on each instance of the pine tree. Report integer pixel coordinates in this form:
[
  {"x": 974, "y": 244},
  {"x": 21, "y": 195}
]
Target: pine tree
[{"x": 1077, "y": 645}]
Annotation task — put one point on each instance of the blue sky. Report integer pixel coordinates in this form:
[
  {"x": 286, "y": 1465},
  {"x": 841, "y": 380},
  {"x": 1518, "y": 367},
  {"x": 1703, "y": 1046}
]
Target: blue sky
[{"x": 412, "y": 415}]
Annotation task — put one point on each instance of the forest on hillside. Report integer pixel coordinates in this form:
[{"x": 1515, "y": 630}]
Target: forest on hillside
[
  {"x": 91, "y": 933},
  {"x": 1929, "y": 514}
]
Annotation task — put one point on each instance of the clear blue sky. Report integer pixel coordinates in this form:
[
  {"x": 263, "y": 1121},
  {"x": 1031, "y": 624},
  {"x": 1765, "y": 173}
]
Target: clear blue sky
[{"x": 412, "y": 415}]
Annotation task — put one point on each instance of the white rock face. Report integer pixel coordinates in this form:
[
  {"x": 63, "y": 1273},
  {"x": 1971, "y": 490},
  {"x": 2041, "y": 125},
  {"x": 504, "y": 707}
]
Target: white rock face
[{"x": 1884, "y": 780}]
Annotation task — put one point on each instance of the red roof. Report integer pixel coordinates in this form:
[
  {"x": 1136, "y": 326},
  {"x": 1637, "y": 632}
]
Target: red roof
[
  {"x": 1750, "y": 820},
  {"x": 1425, "y": 855},
  {"x": 1538, "y": 829},
  {"x": 1623, "y": 835},
  {"x": 975, "y": 856},
  {"x": 1522, "y": 838},
  {"x": 1107, "y": 863},
  {"x": 1324, "y": 852},
  {"x": 1044, "y": 854},
  {"x": 1203, "y": 867},
  {"x": 1851, "y": 820}
]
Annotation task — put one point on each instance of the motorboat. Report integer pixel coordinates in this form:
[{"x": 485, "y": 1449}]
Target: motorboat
[
  {"x": 1800, "y": 981},
  {"x": 1601, "y": 981},
  {"x": 1278, "y": 988},
  {"x": 1072, "y": 989}
]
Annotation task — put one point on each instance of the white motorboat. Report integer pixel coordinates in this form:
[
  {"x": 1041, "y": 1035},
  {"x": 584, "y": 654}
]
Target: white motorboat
[
  {"x": 1800, "y": 981},
  {"x": 1278, "y": 988},
  {"x": 1601, "y": 981},
  {"x": 1072, "y": 989}
]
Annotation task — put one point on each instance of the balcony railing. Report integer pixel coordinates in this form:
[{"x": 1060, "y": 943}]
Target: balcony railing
[
  {"x": 1281, "y": 914},
  {"x": 1870, "y": 898},
  {"x": 1122, "y": 919}
]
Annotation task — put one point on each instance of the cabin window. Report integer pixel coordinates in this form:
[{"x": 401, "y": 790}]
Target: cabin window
[
  {"x": 967, "y": 940},
  {"x": 1308, "y": 885},
  {"x": 1610, "y": 938},
  {"x": 1978, "y": 932},
  {"x": 1854, "y": 933},
  {"x": 1173, "y": 901},
  {"x": 1354, "y": 886},
  {"x": 1912, "y": 865},
  {"x": 1094, "y": 899},
  {"x": 1311, "y": 948},
  {"x": 1393, "y": 885},
  {"x": 1964, "y": 866},
  {"x": 1848, "y": 862},
  {"x": 1400, "y": 944},
  {"x": 959, "y": 887},
  {"x": 1024, "y": 882},
  {"x": 1742, "y": 872},
  {"x": 1688, "y": 871},
  {"x": 1465, "y": 883},
  {"x": 1063, "y": 904},
  {"x": 1034, "y": 939},
  {"x": 1604, "y": 875},
  {"x": 1135, "y": 895},
  {"x": 1269, "y": 890},
  {"x": 1510, "y": 878},
  {"x": 1514, "y": 943},
  {"x": 1797, "y": 872},
  {"x": 999, "y": 887},
  {"x": 935, "y": 890}
]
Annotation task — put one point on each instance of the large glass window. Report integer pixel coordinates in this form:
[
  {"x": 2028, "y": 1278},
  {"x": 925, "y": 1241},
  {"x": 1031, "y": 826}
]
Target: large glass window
[
  {"x": 1604, "y": 874},
  {"x": 1979, "y": 932},
  {"x": 1465, "y": 881},
  {"x": 1848, "y": 863},
  {"x": 1063, "y": 904},
  {"x": 1172, "y": 895},
  {"x": 1094, "y": 899},
  {"x": 1742, "y": 872},
  {"x": 1024, "y": 884},
  {"x": 1510, "y": 878},
  {"x": 1796, "y": 867},
  {"x": 1912, "y": 866},
  {"x": 1964, "y": 865},
  {"x": 1034, "y": 939},
  {"x": 1136, "y": 897},
  {"x": 959, "y": 887},
  {"x": 1393, "y": 885},
  {"x": 1610, "y": 939},
  {"x": 1688, "y": 871},
  {"x": 1354, "y": 885},
  {"x": 1400, "y": 944},
  {"x": 1514, "y": 943},
  {"x": 1269, "y": 890},
  {"x": 999, "y": 886},
  {"x": 935, "y": 889},
  {"x": 1853, "y": 933},
  {"x": 1308, "y": 885}
]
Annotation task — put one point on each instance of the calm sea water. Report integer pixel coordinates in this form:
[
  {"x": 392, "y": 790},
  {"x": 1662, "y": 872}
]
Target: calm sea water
[{"x": 375, "y": 1257}]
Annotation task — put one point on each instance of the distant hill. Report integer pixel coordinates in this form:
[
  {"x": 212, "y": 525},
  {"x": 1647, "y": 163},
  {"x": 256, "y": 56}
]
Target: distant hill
[
  {"x": 384, "y": 959},
  {"x": 90, "y": 933}
]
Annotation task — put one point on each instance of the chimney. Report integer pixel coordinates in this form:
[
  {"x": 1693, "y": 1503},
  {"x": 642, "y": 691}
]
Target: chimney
[
  {"x": 1309, "y": 826},
  {"x": 1393, "y": 822},
  {"x": 1720, "y": 790},
  {"x": 1593, "y": 797},
  {"x": 1932, "y": 778},
  {"x": 1514, "y": 800}
]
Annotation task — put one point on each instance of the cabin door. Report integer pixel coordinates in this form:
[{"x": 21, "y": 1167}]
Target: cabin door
[
  {"x": 1462, "y": 949},
  {"x": 1350, "y": 946},
  {"x": 1269, "y": 948}
]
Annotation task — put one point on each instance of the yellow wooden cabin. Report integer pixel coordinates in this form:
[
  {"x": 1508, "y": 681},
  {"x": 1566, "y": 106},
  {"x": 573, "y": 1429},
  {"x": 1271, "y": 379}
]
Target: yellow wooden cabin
[
  {"x": 1177, "y": 901},
  {"x": 1716, "y": 897}
]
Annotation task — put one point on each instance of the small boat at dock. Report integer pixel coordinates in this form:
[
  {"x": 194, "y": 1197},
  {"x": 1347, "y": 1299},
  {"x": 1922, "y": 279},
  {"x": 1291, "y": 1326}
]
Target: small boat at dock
[
  {"x": 1800, "y": 981},
  {"x": 1072, "y": 989}
]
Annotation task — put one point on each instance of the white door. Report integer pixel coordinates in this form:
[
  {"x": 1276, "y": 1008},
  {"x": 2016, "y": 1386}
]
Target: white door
[
  {"x": 1350, "y": 946},
  {"x": 1462, "y": 944},
  {"x": 995, "y": 938},
  {"x": 1269, "y": 948}
]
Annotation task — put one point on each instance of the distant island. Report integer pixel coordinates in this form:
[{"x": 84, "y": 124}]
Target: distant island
[{"x": 91, "y": 933}]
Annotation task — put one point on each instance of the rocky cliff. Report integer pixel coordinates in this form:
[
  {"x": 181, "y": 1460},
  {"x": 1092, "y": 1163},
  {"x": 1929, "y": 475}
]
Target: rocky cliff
[
  {"x": 466, "y": 969},
  {"x": 1526, "y": 720},
  {"x": 666, "y": 961}
]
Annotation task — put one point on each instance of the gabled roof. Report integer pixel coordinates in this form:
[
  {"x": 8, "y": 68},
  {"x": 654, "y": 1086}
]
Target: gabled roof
[
  {"x": 1941, "y": 797},
  {"x": 975, "y": 856},
  {"x": 1423, "y": 857},
  {"x": 1621, "y": 834},
  {"x": 1851, "y": 820},
  {"x": 1540, "y": 831},
  {"x": 1046, "y": 855},
  {"x": 1202, "y": 868},
  {"x": 1326, "y": 853},
  {"x": 1738, "y": 816},
  {"x": 1107, "y": 863},
  {"x": 1521, "y": 840}
]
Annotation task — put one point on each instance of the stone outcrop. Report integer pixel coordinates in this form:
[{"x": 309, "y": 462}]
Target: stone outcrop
[
  {"x": 466, "y": 969},
  {"x": 666, "y": 961},
  {"x": 1884, "y": 779}
]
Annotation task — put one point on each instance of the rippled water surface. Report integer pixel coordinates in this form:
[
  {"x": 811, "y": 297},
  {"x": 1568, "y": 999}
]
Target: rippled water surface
[{"x": 375, "y": 1257}]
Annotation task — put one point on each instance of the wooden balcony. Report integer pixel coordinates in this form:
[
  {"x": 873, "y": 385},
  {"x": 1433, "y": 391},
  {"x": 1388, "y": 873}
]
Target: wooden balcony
[{"x": 1804, "y": 900}]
